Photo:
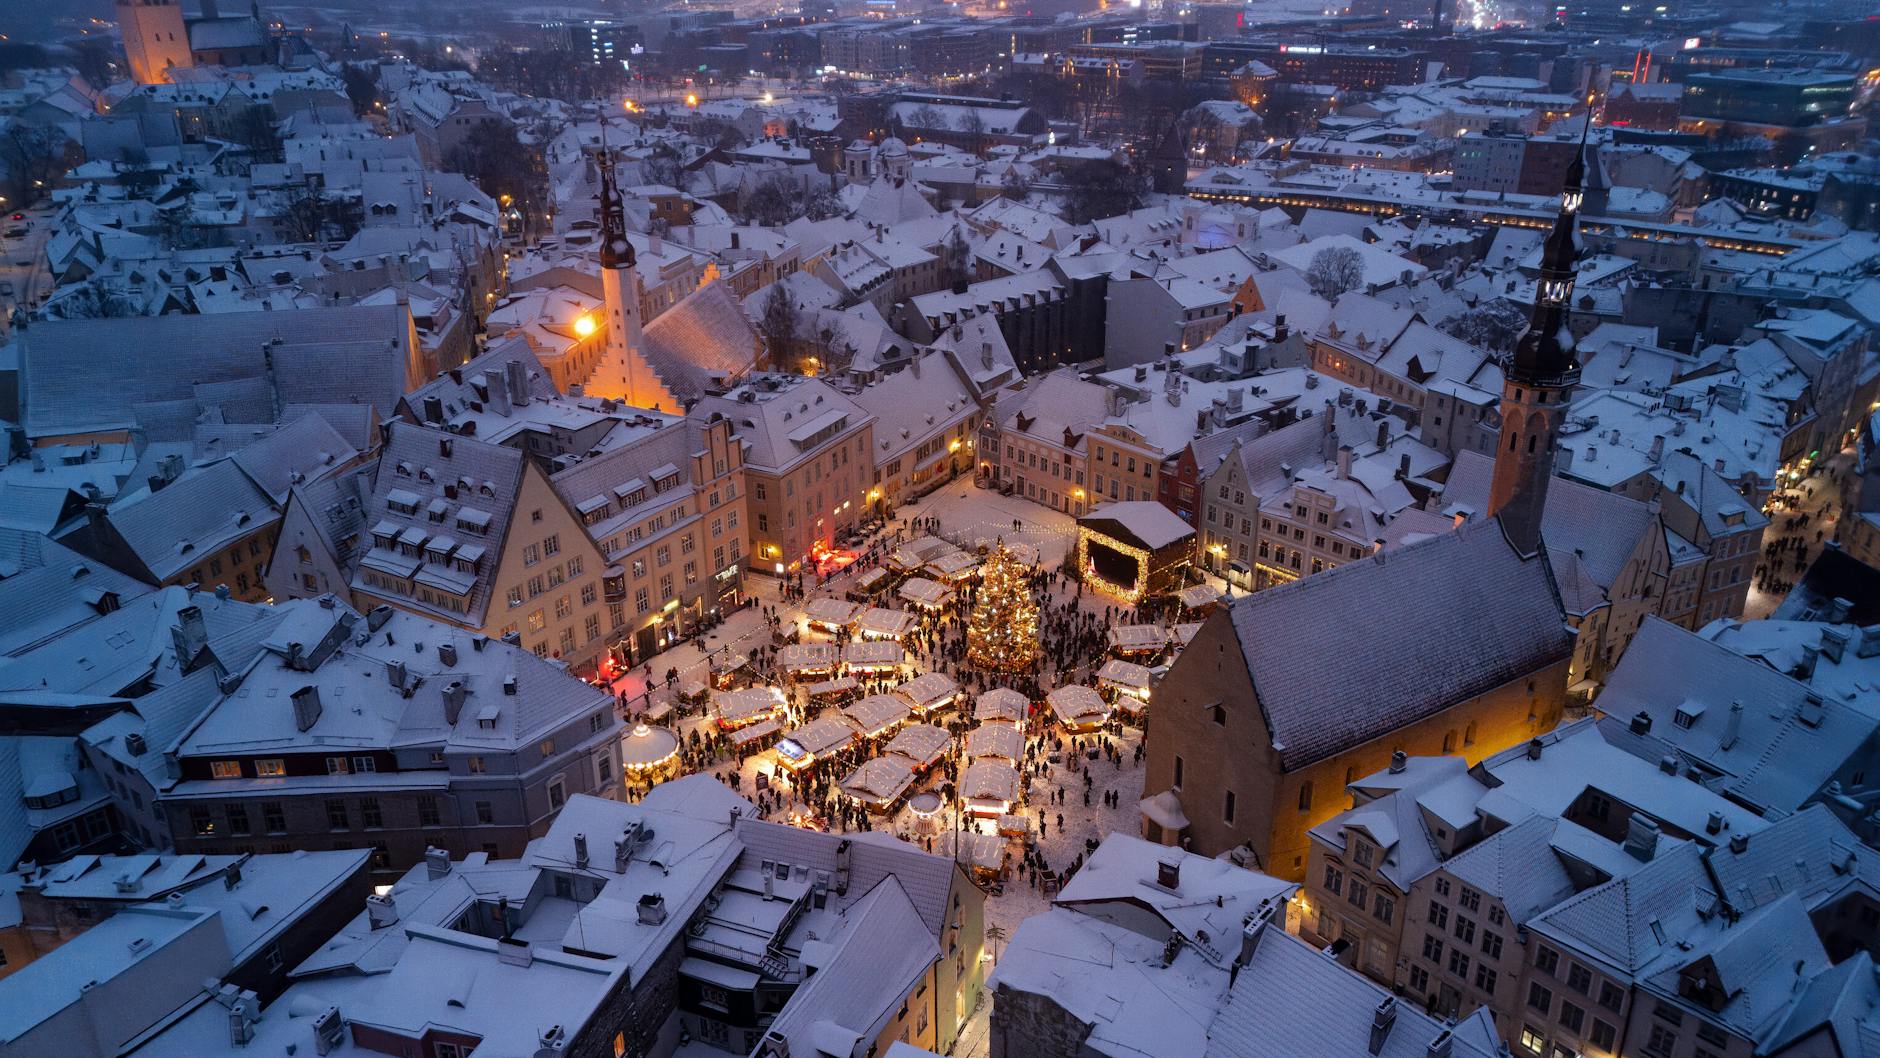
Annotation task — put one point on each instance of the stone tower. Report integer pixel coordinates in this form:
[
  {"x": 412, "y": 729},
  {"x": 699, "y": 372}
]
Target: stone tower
[
  {"x": 155, "y": 39},
  {"x": 1540, "y": 378},
  {"x": 622, "y": 373}
]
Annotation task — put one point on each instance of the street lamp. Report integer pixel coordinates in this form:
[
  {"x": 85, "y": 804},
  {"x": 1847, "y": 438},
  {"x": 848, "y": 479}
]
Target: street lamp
[{"x": 584, "y": 326}]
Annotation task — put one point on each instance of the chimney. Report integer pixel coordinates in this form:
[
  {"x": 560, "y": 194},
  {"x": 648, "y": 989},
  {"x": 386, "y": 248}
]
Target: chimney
[
  {"x": 518, "y": 376},
  {"x": 1280, "y": 330},
  {"x": 1739, "y": 843},
  {"x": 1344, "y": 462},
  {"x": 1383, "y": 432},
  {"x": 498, "y": 385},
  {"x": 306, "y": 707},
  {"x": 395, "y": 674},
  {"x": 513, "y": 952},
  {"x": 447, "y": 654},
  {"x": 652, "y": 909},
  {"x": 1399, "y": 761},
  {"x": 1641, "y": 837},
  {"x": 1251, "y": 929},
  {"x": 1168, "y": 875},
  {"x": 381, "y": 911},
  {"x": 1668, "y": 764},
  {"x": 985, "y": 354},
  {"x": 1869, "y": 642},
  {"x": 1382, "y": 1019},
  {"x": 376, "y": 617},
  {"x": 1806, "y": 670},
  {"x": 453, "y": 701},
  {"x": 580, "y": 851},
  {"x": 1442, "y": 1044},
  {"x": 1714, "y": 825},
  {"x": 1658, "y": 448},
  {"x": 1732, "y": 726},
  {"x": 1534, "y": 748},
  {"x": 1838, "y": 610},
  {"x": 241, "y": 1023},
  {"x": 1641, "y": 723},
  {"x": 436, "y": 863},
  {"x": 1833, "y": 644},
  {"x": 623, "y": 852},
  {"x": 434, "y": 410},
  {"x": 191, "y": 634}
]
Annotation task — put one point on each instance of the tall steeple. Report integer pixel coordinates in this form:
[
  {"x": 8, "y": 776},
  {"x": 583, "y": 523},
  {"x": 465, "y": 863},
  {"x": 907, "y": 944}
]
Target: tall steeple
[
  {"x": 621, "y": 373},
  {"x": 1540, "y": 377}
]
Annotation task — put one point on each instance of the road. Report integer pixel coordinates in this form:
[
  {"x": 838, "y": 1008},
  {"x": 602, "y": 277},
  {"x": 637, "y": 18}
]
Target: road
[{"x": 23, "y": 264}]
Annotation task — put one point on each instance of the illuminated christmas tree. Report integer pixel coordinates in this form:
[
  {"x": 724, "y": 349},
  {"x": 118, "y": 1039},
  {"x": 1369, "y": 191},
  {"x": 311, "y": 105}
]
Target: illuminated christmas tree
[{"x": 1003, "y": 632}]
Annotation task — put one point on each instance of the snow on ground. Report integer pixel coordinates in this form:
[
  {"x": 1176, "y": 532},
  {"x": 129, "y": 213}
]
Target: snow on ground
[
  {"x": 1817, "y": 495},
  {"x": 1060, "y": 833}
]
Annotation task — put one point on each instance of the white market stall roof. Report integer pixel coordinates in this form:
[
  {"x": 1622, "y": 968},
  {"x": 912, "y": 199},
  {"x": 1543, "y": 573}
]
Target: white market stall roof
[
  {"x": 746, "y": 706},
  {"x": 928, "y": 594},
  {"x": 995, "y": 740},
  {"x": 883, "y": 623},
  {"x": 1138, "y": 639},
  {"x": 1152, "y": 525},
  {"x": 1002, "y": 704},
  {"x": 876, "y": 713},
  {"x": 819, "y": 738},
  {"x": 874, "y": 654},
  {"x": 880, "y": 781},
  {"x": 1195, "y": 596},
  {"x": 1124, "y": 676},
  {"x": 835, "y": 613},
  {"x": 839, "y": 685},
  {"x": 929, "y": 690},
  {"x": 1185, "y": 632},
  {"x": 809, "y": 657},
  {"x": 989, "y": 780},
  {"x": 870, "y": 580},
  {"x": 647, "y": 747},
  {"x": 921, "y": 743},
  {"x": 1078, "y": 705},
  {"x": 986, "y": 852},
  {"x": 917, "y": 553},
  {"x": 952, "y": 565},
  {"x": 744, "y": 736}
]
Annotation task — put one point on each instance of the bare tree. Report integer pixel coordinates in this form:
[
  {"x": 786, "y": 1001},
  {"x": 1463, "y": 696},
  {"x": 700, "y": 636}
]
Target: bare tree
[
  {"x": 956, "y": 257},
  {"x": 1334, "y": 271},
  {"x": 30, "y": 157},
  {"x": 778, "y": 325},
  {"x": 1014, "y": 185}
]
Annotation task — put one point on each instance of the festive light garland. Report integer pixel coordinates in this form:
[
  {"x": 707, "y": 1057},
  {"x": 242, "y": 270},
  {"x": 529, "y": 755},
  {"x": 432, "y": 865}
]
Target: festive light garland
[
  {"x": 1129, "y": 594},
  {"x": 1002, "y": 634}
]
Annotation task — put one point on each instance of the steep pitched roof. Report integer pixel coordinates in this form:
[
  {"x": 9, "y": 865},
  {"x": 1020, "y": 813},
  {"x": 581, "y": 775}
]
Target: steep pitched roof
[
  {"x": 1468, "y": 614},
  {"x": 46, "y": 588},
  {"x": 701, "y": 343}
]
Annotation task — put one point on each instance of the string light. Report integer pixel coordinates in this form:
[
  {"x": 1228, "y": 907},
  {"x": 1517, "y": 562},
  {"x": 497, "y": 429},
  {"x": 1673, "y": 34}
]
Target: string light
[{"x": 1002, "y": 635}]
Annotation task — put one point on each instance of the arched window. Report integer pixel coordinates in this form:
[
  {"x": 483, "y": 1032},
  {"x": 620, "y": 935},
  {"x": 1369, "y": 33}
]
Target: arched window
[{"x": 1305, "y": 796}]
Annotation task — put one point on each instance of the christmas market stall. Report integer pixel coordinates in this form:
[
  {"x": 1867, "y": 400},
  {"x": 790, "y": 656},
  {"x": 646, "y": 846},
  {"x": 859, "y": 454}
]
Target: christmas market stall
[
  {"x": 870, "y": 585},
  {"x": 815, "y": 741},
  {"x": 878, "y": 622},
  {"x": 952, "y": 567},
  {"x": 735, "y": 709},
  {"x": 924, "y": 593},
  {"x": 757, "y": 735},
  {"x": 1124, "y": 678},
  {"x": 874, "y": 657},
  {"x": 648, "y": 755},
  {"x": 1183, "y": 634},
  {"x": 833, "y": 692},
  {"x": 879, "y": 783},
  {"x": 929, "y": 691},
  {"x": 1199, "y": 599},
  {"x": 1138, "y": 640},
  {"x": 1131, "y": 551},
  {"x": 995, "y": 740},
  {"x": 876, "y": 715},
  {"x": 911, "y": 556},
  {"x": 1078, "y": 708},
  {"x": 985, "y": 854},
  {"x": 1002, "y": 705},
  {"x": 830, "y": 615},
  {"x": 989, "y": 787},
  {"x": 922, "y": 744},
  {"x": 799, "y": 661}
]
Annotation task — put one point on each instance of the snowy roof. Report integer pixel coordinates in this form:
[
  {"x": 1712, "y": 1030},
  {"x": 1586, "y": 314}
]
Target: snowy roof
[
  {"x": 1001, "y": 703},
  {"x": 1147, "y": 523},
  {"x": 1471, "y": 614},
  {"x": 876, "y": 712},
  {"x": 921, "y": 743}
]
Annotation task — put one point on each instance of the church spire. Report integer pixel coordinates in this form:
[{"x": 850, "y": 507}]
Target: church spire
[
  {"x": 1540, "y": 377},
  {"x": 616, "y": 251}
]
